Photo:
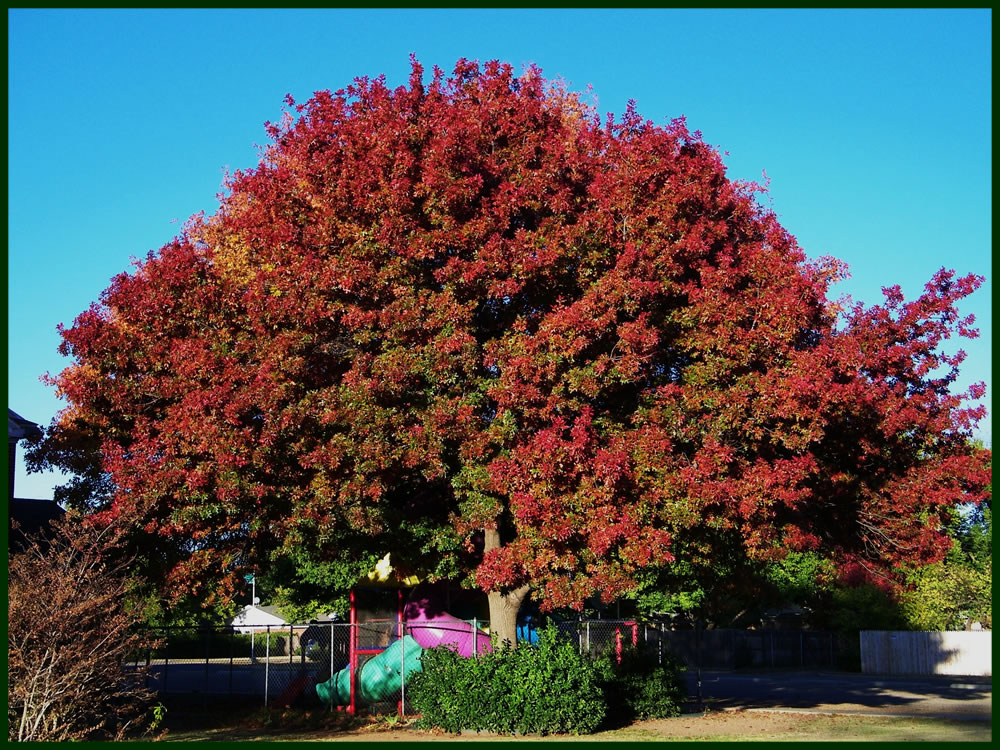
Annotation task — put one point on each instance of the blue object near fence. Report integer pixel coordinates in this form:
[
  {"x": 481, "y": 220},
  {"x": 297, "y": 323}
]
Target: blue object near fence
[{"x": 527, "y": 632}]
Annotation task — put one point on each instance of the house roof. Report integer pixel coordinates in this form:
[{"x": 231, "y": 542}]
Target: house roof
[
  {"x": 18, "y": 427},
  {"x": 34, "y": 517},
  {"x": 259, "y": 615},
  {"x": 27, "y": 511},
  {"x": 270, "y": 609}
]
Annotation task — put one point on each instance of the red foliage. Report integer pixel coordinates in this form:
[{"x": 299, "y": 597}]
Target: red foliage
[{"x": 584, "y": 335}]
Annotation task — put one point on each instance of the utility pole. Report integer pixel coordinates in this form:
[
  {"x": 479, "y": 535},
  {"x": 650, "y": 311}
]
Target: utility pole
[{"x": 251, "y": 578}]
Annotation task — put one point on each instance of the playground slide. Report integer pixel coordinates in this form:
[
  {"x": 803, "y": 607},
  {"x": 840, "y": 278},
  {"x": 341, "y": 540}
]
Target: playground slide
[
  {"x": 380, "y": 678},
  {"x": 427, "y": 626},
  {"x": 431, "y": 626},
  {"x": 445, "y": 630}
]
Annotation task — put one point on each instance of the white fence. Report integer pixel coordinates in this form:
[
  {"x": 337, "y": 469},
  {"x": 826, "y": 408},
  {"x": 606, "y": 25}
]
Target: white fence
[{"x": 924, "y": 653}]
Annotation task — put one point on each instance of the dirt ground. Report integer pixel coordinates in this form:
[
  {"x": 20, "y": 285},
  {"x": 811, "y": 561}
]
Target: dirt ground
[{"x": 742, "y": 725}]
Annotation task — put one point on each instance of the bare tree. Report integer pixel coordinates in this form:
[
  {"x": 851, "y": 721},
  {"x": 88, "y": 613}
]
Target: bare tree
[{"x": 71, "y": 636}]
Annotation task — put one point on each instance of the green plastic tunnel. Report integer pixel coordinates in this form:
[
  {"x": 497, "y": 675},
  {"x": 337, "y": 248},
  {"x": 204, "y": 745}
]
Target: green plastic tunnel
[{"x": 379, "y": 678}]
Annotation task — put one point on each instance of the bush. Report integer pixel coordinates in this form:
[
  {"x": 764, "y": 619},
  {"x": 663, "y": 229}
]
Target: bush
[
  {"x": 195, "y": 643},
  {"x": 545, "y": 689},
  {"x": 639, "y": 688},
  {"x": 70, "y": 638}
]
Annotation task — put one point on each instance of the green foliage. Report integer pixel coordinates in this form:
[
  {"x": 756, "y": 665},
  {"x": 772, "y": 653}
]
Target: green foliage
[
  {"x": 672, "y": 588},
  {"x": 293, "y": 609},
  {"x": 546, "y": 689},
  {"x": 159, "y": 714},
  {"x": 304, "y": 583},
  {"x": 799, "y": 576},
  {"x": 187, "y": 611},
  {"x": 733, "y": 590},
  {"x": 974, "y": 537},
  {"x": 193, "y": 643},
  {"x": 639, "y": 688},
  {"x": 948, "y": 594},
  {"x": 863, "y": 607}
]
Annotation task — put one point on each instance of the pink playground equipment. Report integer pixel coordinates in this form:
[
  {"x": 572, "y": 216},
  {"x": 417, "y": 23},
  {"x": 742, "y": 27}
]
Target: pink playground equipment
[
  {"x": 430, "y": 626},
  {"x": 383, "y": 652}
]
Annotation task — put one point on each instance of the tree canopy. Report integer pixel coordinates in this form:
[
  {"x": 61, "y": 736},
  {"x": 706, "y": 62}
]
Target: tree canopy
[{"x": 469, "y": 321}]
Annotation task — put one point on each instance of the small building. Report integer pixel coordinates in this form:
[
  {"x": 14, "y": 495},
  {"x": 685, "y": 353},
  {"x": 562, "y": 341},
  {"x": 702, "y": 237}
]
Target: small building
[
  {"x": 34, "y": 517},
  {"x": 34, "y": 520},
  {"x": 254, "y": 618},
  {"x": 18, "y": 428}
]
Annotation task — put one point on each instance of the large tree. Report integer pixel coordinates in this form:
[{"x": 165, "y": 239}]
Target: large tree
[{"x": 469, "y": 322}]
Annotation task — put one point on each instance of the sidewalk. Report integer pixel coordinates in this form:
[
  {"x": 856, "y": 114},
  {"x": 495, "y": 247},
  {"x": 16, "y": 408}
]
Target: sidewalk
[
  {"x": 829, "y": 675},
  {"x": 828, "y": 691}
]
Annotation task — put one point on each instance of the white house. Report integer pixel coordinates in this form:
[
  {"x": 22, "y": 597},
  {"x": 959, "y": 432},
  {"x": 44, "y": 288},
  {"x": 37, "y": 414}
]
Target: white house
[{"x": 255, "y": 617}]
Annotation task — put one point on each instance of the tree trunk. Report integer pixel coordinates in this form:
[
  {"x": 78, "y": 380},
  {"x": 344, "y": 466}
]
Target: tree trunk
[{"x": 504, "y": 606}]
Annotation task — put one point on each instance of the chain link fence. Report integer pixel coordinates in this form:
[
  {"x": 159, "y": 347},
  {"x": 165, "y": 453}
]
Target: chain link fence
[
  {"x": 303, "y": 665},
  {"x": 274, "y": 663},
  {"x": 314, "y": 664},
  {"x": 708, "y": 649}
]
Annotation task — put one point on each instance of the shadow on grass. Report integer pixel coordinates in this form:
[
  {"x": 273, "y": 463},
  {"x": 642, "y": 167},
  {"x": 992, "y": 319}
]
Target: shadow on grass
[{"x": 199, "y": 718}]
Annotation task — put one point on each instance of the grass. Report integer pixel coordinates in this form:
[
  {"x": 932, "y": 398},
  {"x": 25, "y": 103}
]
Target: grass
[{"x": 720, "y": 726}]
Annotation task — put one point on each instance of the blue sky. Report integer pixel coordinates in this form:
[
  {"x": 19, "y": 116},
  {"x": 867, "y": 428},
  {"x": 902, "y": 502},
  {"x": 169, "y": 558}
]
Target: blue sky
[{"x": 873, "y": 126}]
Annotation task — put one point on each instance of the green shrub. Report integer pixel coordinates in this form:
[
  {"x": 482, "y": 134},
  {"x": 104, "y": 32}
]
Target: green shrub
[
  {"x": 639, "y": 688},
  {"x": 190, "y": 643},
  {"x": 546, "y": 689}
]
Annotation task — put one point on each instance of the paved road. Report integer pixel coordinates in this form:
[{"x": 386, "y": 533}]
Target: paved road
[
  {"x": 939, "y": 697},
  {"x": 839, "y": 692},
  {"x": 217, "y": 678}
]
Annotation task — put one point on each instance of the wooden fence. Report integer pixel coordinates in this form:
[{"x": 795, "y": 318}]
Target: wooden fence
[{"x": 925, "y": 653}]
